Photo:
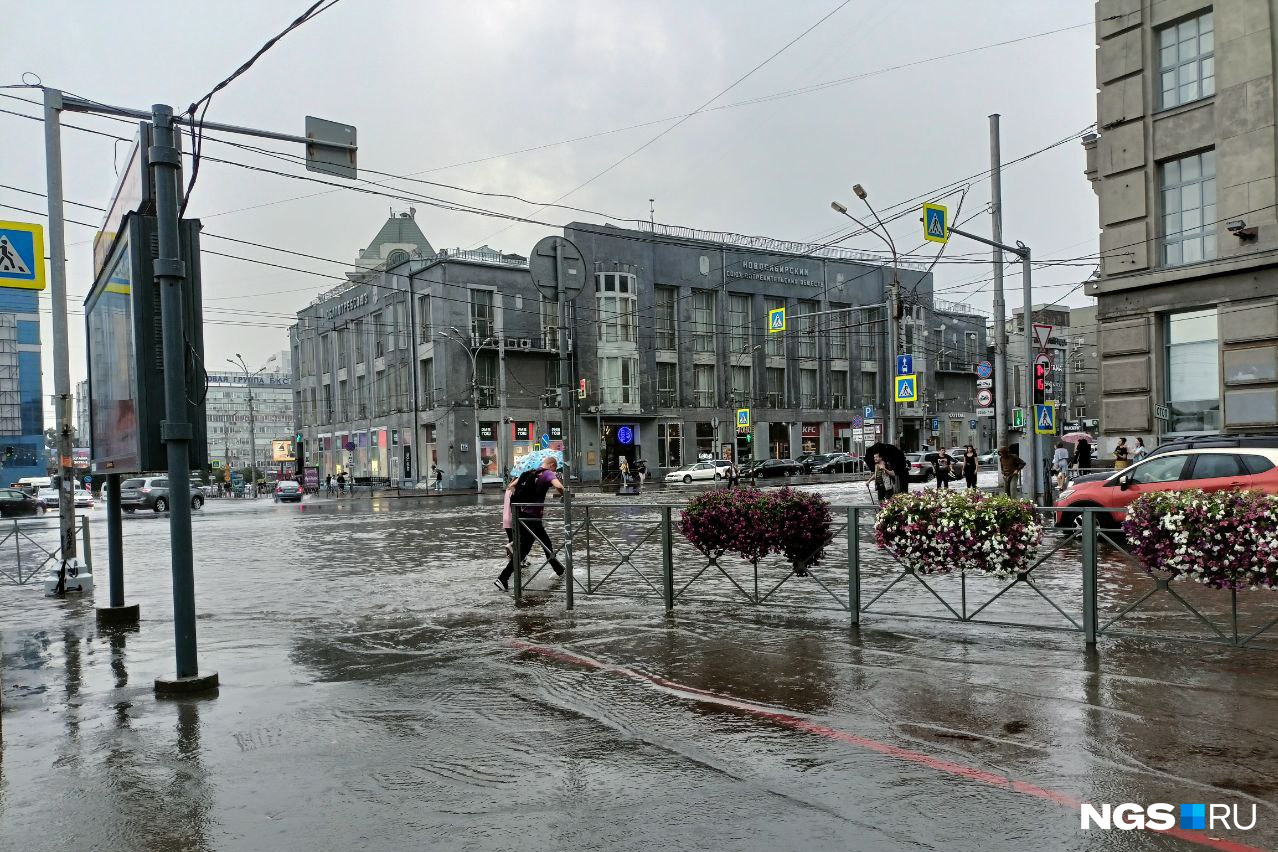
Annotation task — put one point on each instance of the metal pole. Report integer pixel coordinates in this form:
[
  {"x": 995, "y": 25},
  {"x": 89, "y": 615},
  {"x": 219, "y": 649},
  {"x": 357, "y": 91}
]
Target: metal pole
[
  {"x": 516, "y": 553},
  {"x": 170, "y": 273},
  {"x": 474, "y": 398},
  {"x": 854, "y": 564},
  {"x": 893, "y": 330},
  {"x": 504, "y": 439},
  {"x": 1002, "y": 401},
  {"x": 667, "y": 559},
  {"x": 1035, "y": 459},
  {"x": 561, "y": 312},
  {"x": 1089, "y": 576},
  {"x": 248, "y": 382},
  {"x": 58, "y": 302},
  {"x": 115, "y": 545},
  {"x": 568, "y": 545}
]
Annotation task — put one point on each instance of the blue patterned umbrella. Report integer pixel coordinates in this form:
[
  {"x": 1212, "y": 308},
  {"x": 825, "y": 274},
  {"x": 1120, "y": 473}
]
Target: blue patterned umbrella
[{"x": 533, "y": 460}]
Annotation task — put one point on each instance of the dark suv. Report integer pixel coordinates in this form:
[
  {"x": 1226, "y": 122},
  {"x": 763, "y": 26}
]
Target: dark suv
[{"x": 151, "y": 492}]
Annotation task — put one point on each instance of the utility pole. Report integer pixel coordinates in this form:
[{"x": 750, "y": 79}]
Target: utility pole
[
  {"x": 1002, "y": 409},
  {"x": 170, "y": 277},
  {"x": 503, "y": 439},
  {"x": 248, "y": 383},
  {"x": 565, "y": 380},
  {"x": 58, "y": 298}
]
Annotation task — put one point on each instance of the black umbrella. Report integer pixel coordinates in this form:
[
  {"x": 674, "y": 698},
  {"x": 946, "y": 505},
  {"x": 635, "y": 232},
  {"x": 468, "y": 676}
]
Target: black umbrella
[{"x": 892, "y": 455}]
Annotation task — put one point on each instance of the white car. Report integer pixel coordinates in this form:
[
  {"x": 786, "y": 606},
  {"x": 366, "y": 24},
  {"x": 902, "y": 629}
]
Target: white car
[
  {"x": 48, "y": 497},
  {"x": 707, "y": 470},
  {"x": 84, "y": 499}
]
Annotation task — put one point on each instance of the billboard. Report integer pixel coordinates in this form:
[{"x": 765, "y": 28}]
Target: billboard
[
  {"x": 282, "y": 450},
  {"x": 113, "y": 400}
]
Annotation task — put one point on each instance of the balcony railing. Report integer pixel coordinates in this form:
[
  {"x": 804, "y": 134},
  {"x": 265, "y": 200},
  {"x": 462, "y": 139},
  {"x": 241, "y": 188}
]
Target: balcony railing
[
  {"x": 667, "y": 399},
  {"x": 703, "y": 398}
]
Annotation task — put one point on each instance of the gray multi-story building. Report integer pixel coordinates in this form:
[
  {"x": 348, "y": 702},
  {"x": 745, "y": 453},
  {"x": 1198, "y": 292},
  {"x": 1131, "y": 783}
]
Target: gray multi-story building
[
  {"x": 238, "y": 439},
  {"x": 1185, "y": 167},
  {"x": 666, "y": 342},
  {"x": 1082, "y": 399}
]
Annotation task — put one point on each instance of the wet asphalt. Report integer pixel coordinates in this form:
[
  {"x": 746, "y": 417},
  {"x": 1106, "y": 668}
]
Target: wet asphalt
[{"x": 378, "y": 693}]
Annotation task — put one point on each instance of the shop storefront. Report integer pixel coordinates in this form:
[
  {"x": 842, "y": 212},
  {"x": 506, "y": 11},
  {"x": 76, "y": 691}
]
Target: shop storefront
[
  {"x": 779, "y": 440},
  {"x": 705, "y": 441},
  {"x": 620, "y": 440},
  {"x": 811, "y": 435},
  {"x": 842, "y": 438},
  {"x": 523, "y": 440},
  {"x": 429, "y": 457},
  {"x": 669, "y": 445},
  {"x": 488, "y": 451}
]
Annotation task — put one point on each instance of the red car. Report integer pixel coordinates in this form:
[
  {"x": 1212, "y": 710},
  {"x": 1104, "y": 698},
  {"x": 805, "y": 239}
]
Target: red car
[{"x": 1250, "y": 468}]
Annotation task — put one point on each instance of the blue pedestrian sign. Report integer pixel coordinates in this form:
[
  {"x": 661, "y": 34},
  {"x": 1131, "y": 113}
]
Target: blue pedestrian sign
[
  {"x": 1045, "y": 419},
  {"x": 21, "y": 255},
  {"x": 984, "y": 370},
  {"x": 869, "y": 412},
  {"x": 743, "y": 418},
  {"x": 904, "y": 365},
  {"x": 907, "y": 388},
  {"x": 776, "y": 320},
  {"x": 936, "y": 227},
  {"x": 545, "y": 442}
]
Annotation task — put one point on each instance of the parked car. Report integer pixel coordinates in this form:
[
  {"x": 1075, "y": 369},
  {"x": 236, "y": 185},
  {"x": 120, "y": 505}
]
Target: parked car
[
  {"x": 768, "y": 468},
  {"x": 14, "y": 503},
  {"x": 150, "y": 492},
  {"x": 704, "y": 470},
  {"x": 288, "y": 491},
  {"x": 811, "y": 460},
  {"x": 48, "y": 497},
  {"x": 84, "y": 499},
  {"x": 920, "y": 469},
  {"x": 1201, "y": 442},
  {"x": 989, "y": 458},
  {"x": 838, "y": 463},
  {"x": 1211, "y": 469}
]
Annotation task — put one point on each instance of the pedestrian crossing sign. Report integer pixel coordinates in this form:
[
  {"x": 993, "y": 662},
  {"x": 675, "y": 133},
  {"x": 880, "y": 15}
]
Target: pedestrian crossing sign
[
  {"x": 907, "y": 388},
  {"x": 21, "y": 255},
  {"x": 1045, "y": 419},
  {"x": 743, "y": 418},
  {"x": 936, "y": 227},
  {"x": 776, "y": 320}
]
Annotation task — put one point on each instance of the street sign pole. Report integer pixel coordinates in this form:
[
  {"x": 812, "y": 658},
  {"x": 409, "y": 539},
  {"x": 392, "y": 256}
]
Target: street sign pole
[
  {"x": 1002, "y": 389},
  {"x": 58, "y": 304}
]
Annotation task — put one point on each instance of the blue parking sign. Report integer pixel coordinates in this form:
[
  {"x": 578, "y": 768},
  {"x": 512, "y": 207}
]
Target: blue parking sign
[{"x": 869, "y": 412}]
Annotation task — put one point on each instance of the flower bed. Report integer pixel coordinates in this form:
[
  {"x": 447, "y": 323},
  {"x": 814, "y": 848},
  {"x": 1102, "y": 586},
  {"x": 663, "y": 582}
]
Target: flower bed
[
  {"x": 938, "y": 531},
  {"x": 752, "y": 524},
  {"x": 1223, "y": 540}
]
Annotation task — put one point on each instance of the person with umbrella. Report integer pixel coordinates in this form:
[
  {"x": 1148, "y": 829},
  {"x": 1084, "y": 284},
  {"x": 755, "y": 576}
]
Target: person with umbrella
[
  {"x": 893, "y": 461},
  {"x": 1082, "y": 452}
]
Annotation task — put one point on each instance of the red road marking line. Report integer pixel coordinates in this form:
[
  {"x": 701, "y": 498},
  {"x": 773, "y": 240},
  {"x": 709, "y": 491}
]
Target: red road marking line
[{"x": 918, "y": 758}]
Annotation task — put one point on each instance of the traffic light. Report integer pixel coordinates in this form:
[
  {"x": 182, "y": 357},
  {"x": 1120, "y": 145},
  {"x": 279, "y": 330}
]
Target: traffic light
[
  {"x": 1040, "y": 382},
  {"x": 298, "y": 448},
  {"x": 581, "y": 389}
]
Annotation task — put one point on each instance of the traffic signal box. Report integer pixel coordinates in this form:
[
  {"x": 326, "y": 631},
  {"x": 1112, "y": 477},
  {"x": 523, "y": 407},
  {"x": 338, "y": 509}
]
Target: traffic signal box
[{"x": 1040, "y": 383}]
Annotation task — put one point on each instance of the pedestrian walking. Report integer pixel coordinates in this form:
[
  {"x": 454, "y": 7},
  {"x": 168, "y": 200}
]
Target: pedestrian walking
[
  {"x": 970, "y": 463},
  {"x": 1139, "y": 452},
  {"x": 1010, "y": 466},
  {"x": 884, "y": 479},
  {"x": 1121, "y": 454},
  {"x": 328, "y": 484},
  {"x": 941, "y": 469},
  {"x": 527, "y": 499},
  {"x": 341, "y": 484},
  {"x": 734, "y": 475},
  {"x": 1060, "y": 465},
  {"x": 1082, "y": 455},
  {"x": 625, "y": 471},
  {"x": 439, "y": 478}
]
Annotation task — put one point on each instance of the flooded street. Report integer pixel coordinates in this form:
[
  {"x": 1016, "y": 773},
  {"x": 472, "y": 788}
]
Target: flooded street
[{"x": 378, "y": 693}]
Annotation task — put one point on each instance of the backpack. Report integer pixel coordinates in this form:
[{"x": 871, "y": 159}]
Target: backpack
[{"x": 526, "y": 489}]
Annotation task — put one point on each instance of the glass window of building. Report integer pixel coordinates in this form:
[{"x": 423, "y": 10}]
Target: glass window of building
[
  {"x": 667, "y": 384},
  {"x": 669, "y": 436},
  {"x": 425, "y": 331},
  {"x": 806, "y": 328},
  {"x": 1186, "y": 61},
  {"x": 739, "y": 323},
  {"x": 837, "y": 331},
  {"x": 703, "y": 378},
  {"x": 664, "y": 317},
  {"x": 379, "y": 335},
  {"x": 1193, "y": 371},
  {"x": 481, "y": 314},
  {"x": 550, "y": 323},
  {"x": 617, "y": 380},
  {"x": 776, "y": 387},
  {"x": 705, "y": 441},
  {"x": 357, "y": 340},
  {"x": 617, "y": 299},
  {"x": 326, "y": 358},
  {"x": 871, "y": 327},
  {"x": 741, "y": 386},
  {"x": 774, "y": 343},
  {"x": 808, "y": 388},
  {"x": 838, "y": 388},
  {"x": 703, "y": 321},
  {"x": 427, "y": 380},
  {"x": 486, "y": 377},
  {"x": 1189, "y": 209}
]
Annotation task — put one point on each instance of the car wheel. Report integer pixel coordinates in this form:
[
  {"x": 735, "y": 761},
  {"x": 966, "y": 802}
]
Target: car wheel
[
  {"x": 161, "y": 504},
  {"x": 717, "y": 477},
  {"x": 687, "y": 479},
  {"x": 197, "y": 501},
  {"x": 129, "y": 511}
]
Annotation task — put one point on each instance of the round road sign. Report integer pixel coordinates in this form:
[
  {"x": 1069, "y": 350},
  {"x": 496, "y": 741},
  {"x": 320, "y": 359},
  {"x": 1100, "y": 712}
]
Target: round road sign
[
  {"x": 546, "y": 272},
  {"x": 984, "y": 399},
  {"x": 984, "y": 370}
]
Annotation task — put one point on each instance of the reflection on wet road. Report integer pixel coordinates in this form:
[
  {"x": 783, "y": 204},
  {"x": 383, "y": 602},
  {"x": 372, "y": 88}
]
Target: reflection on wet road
[{"x": 378, "y": 693}]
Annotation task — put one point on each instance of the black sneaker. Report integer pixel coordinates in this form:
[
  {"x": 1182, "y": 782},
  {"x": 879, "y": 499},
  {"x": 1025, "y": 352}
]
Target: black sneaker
[{"x": 501, "y": 584}]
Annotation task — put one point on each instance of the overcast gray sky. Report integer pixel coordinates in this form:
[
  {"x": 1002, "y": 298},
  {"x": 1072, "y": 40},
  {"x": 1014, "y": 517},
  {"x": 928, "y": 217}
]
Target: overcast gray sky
[{"x": 431, "y": 85}]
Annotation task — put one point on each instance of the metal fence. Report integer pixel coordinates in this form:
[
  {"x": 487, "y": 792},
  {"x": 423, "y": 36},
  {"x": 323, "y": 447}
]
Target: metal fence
[
  {"x": 28, "y": 547},
  {"x": 1082, "y": 580}
]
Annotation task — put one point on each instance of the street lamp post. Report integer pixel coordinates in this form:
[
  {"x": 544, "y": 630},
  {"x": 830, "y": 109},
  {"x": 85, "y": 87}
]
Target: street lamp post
[
  {"x": 893, "y": 295},
  {"x": 456, "y": 336},
  {"x": 248, "y": 383}
]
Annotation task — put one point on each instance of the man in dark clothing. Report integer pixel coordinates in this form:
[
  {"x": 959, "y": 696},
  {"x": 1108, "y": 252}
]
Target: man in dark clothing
[{"x": 528, "y": 519}]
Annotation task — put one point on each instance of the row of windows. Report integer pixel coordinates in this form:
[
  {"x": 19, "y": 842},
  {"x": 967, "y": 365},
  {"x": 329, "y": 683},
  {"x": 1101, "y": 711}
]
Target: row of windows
[{"x": 741, "y": 392}]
